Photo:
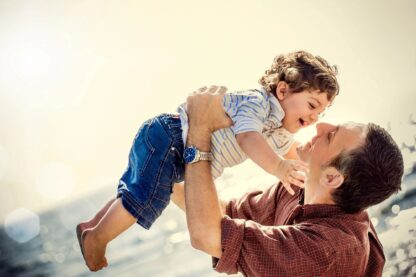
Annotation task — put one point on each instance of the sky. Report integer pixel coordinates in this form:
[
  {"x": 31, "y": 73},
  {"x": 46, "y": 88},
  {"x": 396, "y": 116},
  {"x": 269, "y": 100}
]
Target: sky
[{"x": 77, "y": 78}]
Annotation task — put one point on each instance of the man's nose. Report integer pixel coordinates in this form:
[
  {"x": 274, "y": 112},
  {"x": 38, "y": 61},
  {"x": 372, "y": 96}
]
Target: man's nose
[{"x": 323, "y": 127}]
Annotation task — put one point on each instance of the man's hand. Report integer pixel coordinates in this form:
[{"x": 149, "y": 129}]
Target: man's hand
[{"x": 205, "y": 111}]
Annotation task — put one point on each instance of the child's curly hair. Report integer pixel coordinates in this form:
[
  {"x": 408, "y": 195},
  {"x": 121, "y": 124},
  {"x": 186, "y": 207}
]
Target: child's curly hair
[{"x": 301, "y": 71}]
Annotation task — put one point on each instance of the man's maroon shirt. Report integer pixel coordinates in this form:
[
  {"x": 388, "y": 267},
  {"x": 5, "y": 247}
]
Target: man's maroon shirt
[{"x": 271, "y": 233}]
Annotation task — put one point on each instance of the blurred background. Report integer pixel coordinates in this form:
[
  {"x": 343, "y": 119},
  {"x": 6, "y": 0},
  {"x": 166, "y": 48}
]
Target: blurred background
[{"x": 77, "y": 79}]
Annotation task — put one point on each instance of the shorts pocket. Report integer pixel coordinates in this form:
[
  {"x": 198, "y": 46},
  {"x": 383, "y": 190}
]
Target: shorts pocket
[
  {"x": 178, "y": 165},
  {"x": 145, "y": 150}
]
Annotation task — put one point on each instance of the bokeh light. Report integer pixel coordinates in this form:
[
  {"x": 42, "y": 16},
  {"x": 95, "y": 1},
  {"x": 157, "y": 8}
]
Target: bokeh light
[
  {"x": 22, "y": 225},
  {"x": 395, "y": 209}
]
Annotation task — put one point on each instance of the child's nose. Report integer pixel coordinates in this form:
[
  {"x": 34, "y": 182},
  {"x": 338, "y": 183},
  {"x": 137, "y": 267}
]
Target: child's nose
[{"x": 313, "y": 118}]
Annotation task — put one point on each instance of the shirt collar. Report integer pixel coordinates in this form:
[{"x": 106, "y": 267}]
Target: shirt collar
[
  {"x": 275, "y": 107},
  {"x": 307, "y": 211}
]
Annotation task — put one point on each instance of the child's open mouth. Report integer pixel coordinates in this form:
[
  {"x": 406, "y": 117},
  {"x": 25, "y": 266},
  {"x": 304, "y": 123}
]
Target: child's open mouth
[{"x": 302, "y": 122}]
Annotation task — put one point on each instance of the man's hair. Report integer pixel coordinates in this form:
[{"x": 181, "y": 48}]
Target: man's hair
[
  {"x": 301, "y": 71},
  {"x": 372, "y": 172}
]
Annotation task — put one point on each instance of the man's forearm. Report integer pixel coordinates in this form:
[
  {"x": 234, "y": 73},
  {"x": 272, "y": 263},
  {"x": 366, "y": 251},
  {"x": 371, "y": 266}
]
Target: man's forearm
[
  {"x": 203, "y": 209},
  {"x": 178, "y": 197}
]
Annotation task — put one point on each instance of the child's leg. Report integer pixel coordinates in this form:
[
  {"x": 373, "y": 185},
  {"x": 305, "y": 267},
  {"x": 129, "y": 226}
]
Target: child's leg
[
  {"x": 178, "y": 195},
  {"x": 94, "y": 240},
  {"x": 93, "y": 221}
]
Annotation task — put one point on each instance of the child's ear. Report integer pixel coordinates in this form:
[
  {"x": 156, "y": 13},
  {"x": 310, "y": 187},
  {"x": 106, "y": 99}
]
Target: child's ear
[
  {"x": 282, "y": 90},
  {"x": 331, "y": 178}
]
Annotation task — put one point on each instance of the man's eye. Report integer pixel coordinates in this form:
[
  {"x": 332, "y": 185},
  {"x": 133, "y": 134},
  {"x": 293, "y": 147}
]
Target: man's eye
[{"x": 329, "y": 136}]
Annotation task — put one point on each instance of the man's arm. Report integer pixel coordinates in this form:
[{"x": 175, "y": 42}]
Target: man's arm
[
  {"x": 203, "y": 208},
  {"x": 178, "y": 197}
]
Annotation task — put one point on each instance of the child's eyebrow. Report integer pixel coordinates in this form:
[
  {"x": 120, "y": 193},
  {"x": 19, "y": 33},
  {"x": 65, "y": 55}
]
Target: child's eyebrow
[{"x": 317, "y": 100}]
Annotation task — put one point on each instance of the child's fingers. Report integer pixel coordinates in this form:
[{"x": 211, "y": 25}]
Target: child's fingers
[
  {"x": 299, "y": 176},
  {"x": 288, "y": 188},
  {"x": 295, "y": 182},
  {"x": 301, "y": 166}
]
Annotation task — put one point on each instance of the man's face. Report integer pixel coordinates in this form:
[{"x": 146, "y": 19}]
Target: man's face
[{"x": 330, "y": 141}]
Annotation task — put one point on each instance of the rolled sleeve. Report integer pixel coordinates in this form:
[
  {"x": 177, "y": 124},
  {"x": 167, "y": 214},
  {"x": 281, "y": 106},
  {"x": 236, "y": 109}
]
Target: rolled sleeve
[
  {"x": 257, "y": 250},
  {"x": 231, "y": 241}
]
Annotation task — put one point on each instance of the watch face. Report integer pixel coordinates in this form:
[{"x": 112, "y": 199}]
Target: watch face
[{"x": 189, "y": 154}]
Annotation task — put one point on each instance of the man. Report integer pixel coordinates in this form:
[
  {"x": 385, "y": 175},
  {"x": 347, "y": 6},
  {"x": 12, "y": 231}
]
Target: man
[{"x": 323, "y": 230}]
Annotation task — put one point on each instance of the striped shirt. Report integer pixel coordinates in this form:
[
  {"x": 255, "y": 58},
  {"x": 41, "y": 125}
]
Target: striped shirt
[{"x": 250, "y": 110}]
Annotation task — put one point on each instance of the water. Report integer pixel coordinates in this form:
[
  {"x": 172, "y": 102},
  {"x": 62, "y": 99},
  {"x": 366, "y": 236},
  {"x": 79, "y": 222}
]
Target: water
[{"x": 165, "y": 250}]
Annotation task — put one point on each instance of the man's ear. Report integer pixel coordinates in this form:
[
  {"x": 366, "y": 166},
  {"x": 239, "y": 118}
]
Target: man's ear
[
  {"x": 282, "y": 90},
  {"x": 331, "y": 178}
]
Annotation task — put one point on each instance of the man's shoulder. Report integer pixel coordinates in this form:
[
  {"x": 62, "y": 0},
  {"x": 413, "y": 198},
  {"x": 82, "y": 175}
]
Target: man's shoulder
[{"x": 345, "y": 232}]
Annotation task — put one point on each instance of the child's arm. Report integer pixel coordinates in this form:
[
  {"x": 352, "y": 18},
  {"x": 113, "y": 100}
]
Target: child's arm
[{"x": 257, "y": 149}]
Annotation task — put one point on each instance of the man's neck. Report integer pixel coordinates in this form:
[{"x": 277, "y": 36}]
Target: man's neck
[{"x": 315, "y": 194}]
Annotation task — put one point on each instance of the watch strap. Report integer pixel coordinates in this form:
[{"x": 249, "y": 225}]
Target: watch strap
[{"x": 205, "y": 156}]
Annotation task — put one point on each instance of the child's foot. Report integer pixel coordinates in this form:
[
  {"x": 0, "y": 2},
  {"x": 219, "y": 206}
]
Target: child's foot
[
  {"x": 80, "y": 228},
  {"x": 93, "y": 250}
]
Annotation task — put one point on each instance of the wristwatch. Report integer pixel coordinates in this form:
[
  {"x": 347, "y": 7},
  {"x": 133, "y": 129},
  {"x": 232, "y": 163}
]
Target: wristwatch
[{"x": 191, "y": 155}]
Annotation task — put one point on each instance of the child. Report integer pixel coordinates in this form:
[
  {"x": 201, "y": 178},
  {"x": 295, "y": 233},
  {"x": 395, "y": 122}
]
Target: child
[{"x": 295, "y": 90}]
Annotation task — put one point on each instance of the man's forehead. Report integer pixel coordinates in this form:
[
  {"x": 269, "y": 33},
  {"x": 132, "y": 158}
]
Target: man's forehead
[
  {"x": 354, "y": 126},
  {"x": 352, "y": 133}
]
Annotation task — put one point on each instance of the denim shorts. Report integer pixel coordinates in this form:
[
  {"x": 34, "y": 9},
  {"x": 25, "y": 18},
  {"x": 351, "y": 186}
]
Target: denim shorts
[{"x": 155, "y": 164}]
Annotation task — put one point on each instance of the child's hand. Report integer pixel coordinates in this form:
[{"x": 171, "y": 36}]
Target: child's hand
[{"x": 291, "y": 172}]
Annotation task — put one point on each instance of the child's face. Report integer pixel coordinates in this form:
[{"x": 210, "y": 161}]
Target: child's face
[{"x": 301, "y": 108}]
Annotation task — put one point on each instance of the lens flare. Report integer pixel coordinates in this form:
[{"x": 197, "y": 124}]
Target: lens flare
[{"x": 22, "y": 225}]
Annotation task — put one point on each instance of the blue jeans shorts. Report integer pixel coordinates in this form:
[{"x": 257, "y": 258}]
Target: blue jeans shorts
[{"x": 155, "y": 164}]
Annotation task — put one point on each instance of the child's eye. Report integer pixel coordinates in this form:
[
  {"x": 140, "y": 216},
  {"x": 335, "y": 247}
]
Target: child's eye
[{"x": 311, "y": 106}]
